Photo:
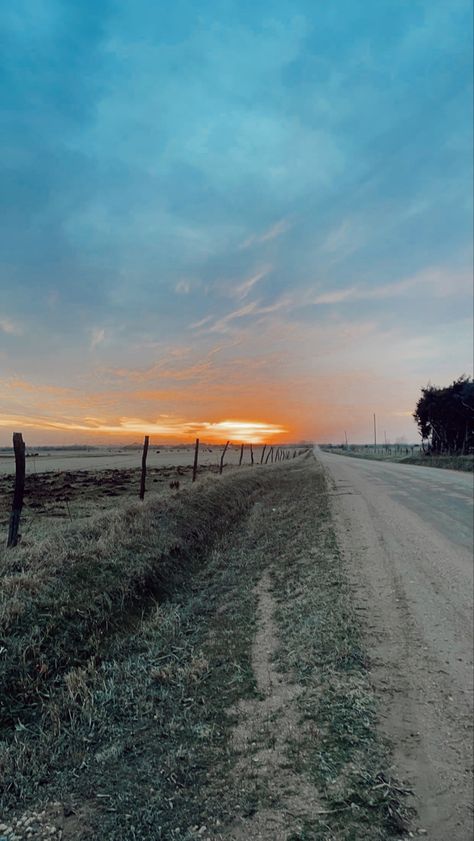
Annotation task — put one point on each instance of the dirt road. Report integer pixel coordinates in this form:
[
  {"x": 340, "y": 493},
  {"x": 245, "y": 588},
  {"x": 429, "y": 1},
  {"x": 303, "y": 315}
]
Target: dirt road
[{"x": 407, "y": 535}]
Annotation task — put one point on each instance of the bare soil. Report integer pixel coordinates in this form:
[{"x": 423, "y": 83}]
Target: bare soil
[
  {"x": 273, "y": 719},
  {"x": 52, "y": 497}
]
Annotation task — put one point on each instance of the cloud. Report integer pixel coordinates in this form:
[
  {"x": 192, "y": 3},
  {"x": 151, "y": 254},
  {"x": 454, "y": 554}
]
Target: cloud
[
  {"x": 275, "y": 231},
  {"x": 169, "y": 427},
  {"x": 195, "y": 325},
  {"x": 183, "y": 287},
  {"x": 335, "y": 146},
  {"x": 336, "y": 297},
  {"x": 10, "y": 327},
  {"x": 253, "y": 308},
  {"x": 97, "y": 337},
  {"x": 221, "y": 325},
  {"x": 242, "y": 290},
  {"x": 439, "y": 282}
]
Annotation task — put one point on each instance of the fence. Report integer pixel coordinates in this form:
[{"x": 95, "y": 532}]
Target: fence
[{"x": 246, "y": 457}]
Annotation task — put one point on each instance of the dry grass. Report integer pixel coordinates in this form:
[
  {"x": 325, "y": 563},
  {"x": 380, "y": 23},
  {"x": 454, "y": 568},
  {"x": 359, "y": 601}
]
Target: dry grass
[
  {"x": 463, "y": 463},
  {"x": 62, "y": 597},
  {"x": 127, "y": 644}
]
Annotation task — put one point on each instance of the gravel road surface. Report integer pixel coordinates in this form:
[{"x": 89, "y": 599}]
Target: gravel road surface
[{"x": 407, "y": 533}]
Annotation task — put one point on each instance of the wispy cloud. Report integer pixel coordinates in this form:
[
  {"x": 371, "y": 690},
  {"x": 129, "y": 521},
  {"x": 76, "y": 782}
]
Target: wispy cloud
[
  {"x": 97, "y": 335},
  {"x": 242, "y": 289},
  {"x": 183, "y": 287},
  {"x": 253, "y": 309},
  {"x": 275, "y": 231},
  {"x": 221, "y": 325},
  {"x": 438, "y": 282},
  {"x": 195, "y": 325},
  {"x": 10, "y": 327},
  {"x": 346, "y": 238}
]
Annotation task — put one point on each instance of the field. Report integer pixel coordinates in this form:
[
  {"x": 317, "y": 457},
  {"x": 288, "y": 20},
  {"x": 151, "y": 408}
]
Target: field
[
  {"x": 67, "y": 485},
  {"x": 114, "y": 458},
  {"x": 191, "y": 667}
]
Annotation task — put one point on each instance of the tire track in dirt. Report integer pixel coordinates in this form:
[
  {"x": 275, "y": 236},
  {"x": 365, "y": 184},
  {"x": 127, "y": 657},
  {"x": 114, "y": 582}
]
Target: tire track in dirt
[{"x": 270, "y": 723}]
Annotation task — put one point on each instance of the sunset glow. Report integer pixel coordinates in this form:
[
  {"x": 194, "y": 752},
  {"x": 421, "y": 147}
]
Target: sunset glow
[{"x": 175, "y": 430}]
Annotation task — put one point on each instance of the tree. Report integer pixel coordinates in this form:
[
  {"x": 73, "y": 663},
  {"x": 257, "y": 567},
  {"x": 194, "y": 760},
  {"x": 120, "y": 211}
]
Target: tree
[{"x": 445, "y": 417}]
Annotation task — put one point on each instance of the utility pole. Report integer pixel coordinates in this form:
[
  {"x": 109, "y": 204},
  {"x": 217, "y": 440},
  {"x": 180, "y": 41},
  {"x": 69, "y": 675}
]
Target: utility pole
[
  {"x": 345, "y": 436},
  {"x": 375, "y": 434}
]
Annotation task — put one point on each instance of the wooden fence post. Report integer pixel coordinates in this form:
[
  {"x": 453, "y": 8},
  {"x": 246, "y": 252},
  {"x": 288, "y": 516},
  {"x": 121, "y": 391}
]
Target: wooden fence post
[
  {"x": 263, "y": 453},
  {"x": 221, "y": 466},
  {"x": 196, "y": 457},
  {"x": 241, "y": 454},
  {"x": 271, "y": 454},
  {"x": 18, "y": 493},
  {"x": 143, "y": 476},
  {"x": 251, "y": 455}
]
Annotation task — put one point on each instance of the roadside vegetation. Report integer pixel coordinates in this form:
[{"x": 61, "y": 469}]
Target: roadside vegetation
[
  {"x": 463, "y": 463},
  {"x": 445, "y": 418},
  {"x": 134, "y": 649}
]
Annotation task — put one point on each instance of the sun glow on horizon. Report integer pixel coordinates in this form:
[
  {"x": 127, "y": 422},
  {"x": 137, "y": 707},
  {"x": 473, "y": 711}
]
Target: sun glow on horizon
[{"x": 255, "y": 432}]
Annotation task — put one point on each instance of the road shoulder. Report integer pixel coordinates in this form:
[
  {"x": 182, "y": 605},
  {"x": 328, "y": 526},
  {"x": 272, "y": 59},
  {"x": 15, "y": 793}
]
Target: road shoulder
[{"x": 417, "y": 635}]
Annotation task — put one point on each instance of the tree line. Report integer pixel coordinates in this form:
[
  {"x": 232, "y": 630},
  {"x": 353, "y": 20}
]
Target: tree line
[{"x": 445, "y": 417}]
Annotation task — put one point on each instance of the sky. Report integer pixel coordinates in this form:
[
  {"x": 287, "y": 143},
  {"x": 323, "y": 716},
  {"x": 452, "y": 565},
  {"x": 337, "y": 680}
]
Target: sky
[{"x": 232, "y": 219}]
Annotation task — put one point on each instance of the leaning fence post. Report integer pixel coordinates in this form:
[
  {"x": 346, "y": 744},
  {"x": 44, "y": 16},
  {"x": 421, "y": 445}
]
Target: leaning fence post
[
  {"x": 263, "y": 453},
  {"x": 251, "y": 455},
  {"x": 18, "y": 493},
  {"x": 144, "y": 455},
  {"x": 221, "y": 466},
  {"x": 196, "y": 457},
  {"x": 241, "y": 454}
]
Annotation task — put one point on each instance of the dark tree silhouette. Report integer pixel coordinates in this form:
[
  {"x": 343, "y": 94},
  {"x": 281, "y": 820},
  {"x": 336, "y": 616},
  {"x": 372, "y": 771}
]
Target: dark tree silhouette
[{"x": 445, "y": 417}]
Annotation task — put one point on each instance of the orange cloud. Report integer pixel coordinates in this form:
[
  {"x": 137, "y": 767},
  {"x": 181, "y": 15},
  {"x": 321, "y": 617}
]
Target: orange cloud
[{"x": 239, "y": 430}]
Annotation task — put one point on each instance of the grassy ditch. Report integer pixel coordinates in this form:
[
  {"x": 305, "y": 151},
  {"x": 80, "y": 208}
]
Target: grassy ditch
[
  {"x": 61, "y": 598},
  {"x": 133, "y": 641}
]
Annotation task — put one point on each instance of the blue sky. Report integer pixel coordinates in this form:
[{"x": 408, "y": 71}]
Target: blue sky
[{"x": 259, "y": 211}]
